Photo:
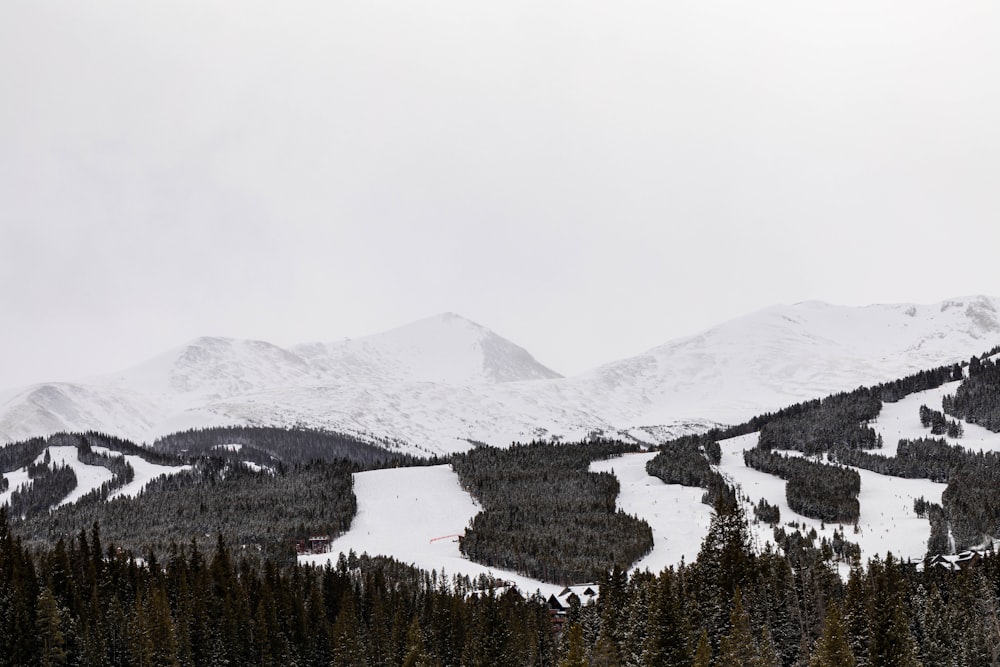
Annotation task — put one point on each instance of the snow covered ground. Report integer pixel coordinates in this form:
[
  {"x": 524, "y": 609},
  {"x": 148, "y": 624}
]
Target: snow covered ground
[
  {"x": 887, "y": 521},
  {"x": 91, "y": 477},
  {"x": 675, "y": 513},
  {"x": 401, "y": 510},
  {"x": 901, "y": 420},
  {"x": 414, "y": 515},
  {"x": 145, "y": 472},
  {"x": 88, "y": 477},
  {"x": 15, "y": 480}
]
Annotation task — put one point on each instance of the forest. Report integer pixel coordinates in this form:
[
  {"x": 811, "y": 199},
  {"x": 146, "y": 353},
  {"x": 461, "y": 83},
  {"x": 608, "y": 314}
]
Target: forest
[
  {"x": 688, "y": 461},
  {"x": 977, "y": 399},
  {"x": 813, "y": 489},
  {"x": 545, "y": 515},
  {"x": 85, "y": 602},
  {"x": 259, "y": 512}
]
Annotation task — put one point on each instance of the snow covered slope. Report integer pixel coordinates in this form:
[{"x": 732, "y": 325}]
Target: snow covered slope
[
  {"x": 446, "y": 348},
  {"x": 785, "y": 354},
  {"x": 439, "y": 384}
]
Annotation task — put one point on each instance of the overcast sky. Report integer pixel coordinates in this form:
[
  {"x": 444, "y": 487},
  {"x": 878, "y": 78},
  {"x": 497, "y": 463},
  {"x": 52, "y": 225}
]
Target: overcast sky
[{"x": 588, "y": 179}]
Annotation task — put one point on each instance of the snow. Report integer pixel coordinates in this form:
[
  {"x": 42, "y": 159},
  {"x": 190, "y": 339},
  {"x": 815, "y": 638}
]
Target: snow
[
  {"x": 91, "y": 477},
  {"x": 145, "y": 472},
  {"x": 440, "y": 384},
  {"x": 15, "y": 479},
  {"x": 676, "y": 514},
  {"x": 901, "y": 420},
  {"x": 402, "y": 513},
  {"x": 887, "y": 522}
]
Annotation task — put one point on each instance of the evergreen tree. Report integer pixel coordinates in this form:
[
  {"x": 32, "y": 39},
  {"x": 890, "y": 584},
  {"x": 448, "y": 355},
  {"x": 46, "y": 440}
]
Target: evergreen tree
[
  {"x": 51, "y": 641},
  {"x": 833, "y": 648},
  {"x": 703, "y": 652},
  {"x": 576, "y": 654},
  {"x": 738, "y": 648},
  {"x": 415, "y": 655}
]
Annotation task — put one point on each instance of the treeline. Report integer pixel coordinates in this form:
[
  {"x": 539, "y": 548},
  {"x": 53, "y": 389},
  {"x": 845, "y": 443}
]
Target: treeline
[
  {"x": 48, "y": 484},
  {"x": 17, "y": 455},
  {"x": 927, "y": 458},
  {"x": 813, "y": 489},
  {"x": 838, "y": 421},
  {"x": 971, "y": 503},
  {"x": 269, "y": 446},
  {"x": 970, "y": 508},
  {"x": 89, "y": 439},
  {"x": 853, "y": 407},
  {"x": 733, "y": 607},
  {"x": 78, "y": 604},
  {"x": 688, "y": 461},
  {"x": 545, "y": 515},
  {"x": 260, "y": 513},
  {"x": 977, "y": 399},
  {"x": 939, "y": 424}
]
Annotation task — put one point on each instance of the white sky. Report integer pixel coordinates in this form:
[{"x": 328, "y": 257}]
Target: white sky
[{"x": 589, "y": 179}]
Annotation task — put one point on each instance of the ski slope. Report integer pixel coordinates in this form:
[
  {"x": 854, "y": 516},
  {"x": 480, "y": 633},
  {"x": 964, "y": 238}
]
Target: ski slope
[
  {"x": 414, "y": 515},
  {"x": 145, "y": 472},
  {"x": 675, "y": 513},
  {"x": 91, "y": 477},
  {"x": 401, "y": 510}
]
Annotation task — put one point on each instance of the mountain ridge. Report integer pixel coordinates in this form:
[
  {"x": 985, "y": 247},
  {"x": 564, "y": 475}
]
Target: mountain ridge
[{"x": 441, "y": 383}]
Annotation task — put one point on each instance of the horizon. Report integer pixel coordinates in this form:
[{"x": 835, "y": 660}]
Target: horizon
[{"x": 102, "y": 373}]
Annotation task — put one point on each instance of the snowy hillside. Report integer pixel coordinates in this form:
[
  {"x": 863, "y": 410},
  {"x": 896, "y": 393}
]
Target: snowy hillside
[
  {"x": 784, "y": 354},
  {"x": 387, "y": 518},
  {"x": 442, "y": 383},
  {"x": 446, "y": 348}
]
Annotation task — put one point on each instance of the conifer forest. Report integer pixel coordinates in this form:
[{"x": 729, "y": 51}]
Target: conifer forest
[{"x": 200, "y": 568}]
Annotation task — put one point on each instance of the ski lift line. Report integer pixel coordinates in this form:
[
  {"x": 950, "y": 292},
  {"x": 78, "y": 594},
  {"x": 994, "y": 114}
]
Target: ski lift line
[{"x": 443, "y": 537}]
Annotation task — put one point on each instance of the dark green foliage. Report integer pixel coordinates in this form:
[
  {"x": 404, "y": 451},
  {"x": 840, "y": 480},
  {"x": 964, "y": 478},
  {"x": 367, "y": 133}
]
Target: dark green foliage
[
  {"x": 971, "y": 502},
  {"x": 17, "y": 455},
  {"x": 75, "y": 605},
  {"x": 765, "y": 512},
  {"x": 929, "y": 458},
  {"x": 688, "y": 461},
  {"x": 971, "y": 508},
  {"x": 47, "y": 486},
  {"x": 270, "y": 445},
  {"x": 817, "y": 490},
  {"x": 977, "y": 399},
  {"x": 120, "y": 445},
  {"x": 936, "y": 421},
  {"x": 833, "y": 649},
  {"x": 835, "y": 422},
  {"x": 545, "y": 515},
  {"x": 259, "y": 511}
]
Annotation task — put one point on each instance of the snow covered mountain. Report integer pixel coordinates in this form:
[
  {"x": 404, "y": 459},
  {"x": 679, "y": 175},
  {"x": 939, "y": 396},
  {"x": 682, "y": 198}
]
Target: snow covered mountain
[
  {"x": 787, "y": 353},
  {"x": 443, "y": 383}
]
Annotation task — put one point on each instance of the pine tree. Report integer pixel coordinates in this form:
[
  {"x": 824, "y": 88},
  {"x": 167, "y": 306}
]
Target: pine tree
[
  {"x": 415, "y": 655},
  {"x": 832, "y": 648},
  {"x": 51, "y": 640},
  {"x": 576, "y": 655},
  {"x": 667, "y": 638},
  {"x": 738, "y": 648},
  {"x": 703, "y": 652}
]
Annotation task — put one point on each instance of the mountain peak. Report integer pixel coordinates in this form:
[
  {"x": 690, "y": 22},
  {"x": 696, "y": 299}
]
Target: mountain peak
[{"x": 444, "y": 348}]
